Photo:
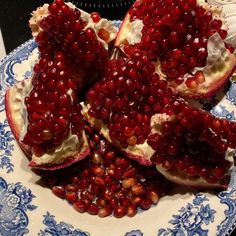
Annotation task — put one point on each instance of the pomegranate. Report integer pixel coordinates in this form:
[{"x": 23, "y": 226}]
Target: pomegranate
[
  {"x": 44, "y": 111},
  {"x": 108, "y": 183},
  {"x": 137, "y": 111},
  {"x": 186, "y": 41}
]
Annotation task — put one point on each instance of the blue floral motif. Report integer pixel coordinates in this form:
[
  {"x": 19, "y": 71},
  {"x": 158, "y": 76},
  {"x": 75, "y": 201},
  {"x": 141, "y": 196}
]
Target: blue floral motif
[
  {"x": 221, "y": 111},
  {"x": 15, "y": 200},
  {"x": 231, "y": 94},
  {"x": 117, "y": 23},
  {"x": 59, "y": 229},
  {"x": 6, "y": 147},
  {"x": 134, "y": 233},
  {"x": 229, "y": 198},
  {"x": 7, "y": 76},
  {"x": 28, "y": 73},
  {"x": 192, "y": 219}
]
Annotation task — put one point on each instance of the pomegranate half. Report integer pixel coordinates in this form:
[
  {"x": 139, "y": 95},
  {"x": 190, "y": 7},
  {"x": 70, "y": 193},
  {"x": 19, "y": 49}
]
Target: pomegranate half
[{"x": 186, "y": 41}]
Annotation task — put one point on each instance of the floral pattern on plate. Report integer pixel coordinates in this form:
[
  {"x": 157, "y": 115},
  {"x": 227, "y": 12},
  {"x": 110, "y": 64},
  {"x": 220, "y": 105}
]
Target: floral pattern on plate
[
  {"x": 6, "y": 147},
  {"x": 62, "y": 228},
  {"x": 192, "y": 219},
  {"x": 7, "y": 71},
  {"x": 15, "y": 201},
  {"x": 228, "y": 198},
  {"x": 134, "y": 233}
]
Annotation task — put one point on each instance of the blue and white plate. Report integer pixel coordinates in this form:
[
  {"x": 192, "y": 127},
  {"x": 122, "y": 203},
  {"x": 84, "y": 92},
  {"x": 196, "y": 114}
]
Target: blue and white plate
[{"x": 26, "y": 207}]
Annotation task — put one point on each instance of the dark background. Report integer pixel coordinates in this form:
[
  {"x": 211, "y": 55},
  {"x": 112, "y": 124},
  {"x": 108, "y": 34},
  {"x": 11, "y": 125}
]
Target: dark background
[{"x": 15, "y": 14}]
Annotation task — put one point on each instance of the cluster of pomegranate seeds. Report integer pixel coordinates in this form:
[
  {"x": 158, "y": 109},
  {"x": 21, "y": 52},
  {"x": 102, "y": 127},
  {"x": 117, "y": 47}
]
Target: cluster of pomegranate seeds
[
  {"x": 52, "y": 105},
  {"x": 177, "y": 33},
  {"x": 108, "y": 183},
  {"x": 66, "y": 27},
  {"x": 128, "y": 96},
  {"x": 195, "y": 143}
]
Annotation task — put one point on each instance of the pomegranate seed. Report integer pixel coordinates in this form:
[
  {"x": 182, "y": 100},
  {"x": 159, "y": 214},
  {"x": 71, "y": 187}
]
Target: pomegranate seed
[
  {"x": 71, "y": 197},
  {"x": 103, "y": 34},
  {"x": 93, "y": 209},
  {"x": 192, "y": 170},
  {"x": 80, "y": 206},
  {"x": 95, "y": 17},
  {"x": 145, "y": 204},
  {"x": 119, "y": 211},
  {"x": 99, "y": 181},
  {"x": 138, "y": 189},
  {"x": 191, "y": 82},
  {"x": 211, "y": 179},
  {"x": 216, "y": 24},
  {"x": 131, "y": 211},
  {"x": 59, "y": 191},
  {"x": 154, "y": 197},
  {"x": 128, "y": 183},
  {"x": 200, "y": 78},
  {"x": 105, "y": 211},
  {"x": 71, "y": 188},
  {"x": 218, "y": 172},
  {"x": 204, "y": 172}
]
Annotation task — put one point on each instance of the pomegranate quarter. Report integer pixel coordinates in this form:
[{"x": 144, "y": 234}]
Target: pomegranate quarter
[
  {"x": 44, "y": 111},
  {"x": 185, "y": 39}
]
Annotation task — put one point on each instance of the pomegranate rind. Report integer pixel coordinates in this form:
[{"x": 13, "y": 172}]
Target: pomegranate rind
[
  {"x": 120, "y": 40},
  {"x": 13, "y": 115},
  {"x": 141, "y": 153},
  {"x": 14, "y": 98},
  {"x": 182, "y": 178}
]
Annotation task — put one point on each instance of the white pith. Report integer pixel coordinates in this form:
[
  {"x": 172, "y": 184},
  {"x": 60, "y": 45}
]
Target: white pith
[
  {"x": 182, "y": 178},
  {"x": 42, "y": 12},
  {"x": 18, "y": 92},
  {"x": 68, "y": 148}
]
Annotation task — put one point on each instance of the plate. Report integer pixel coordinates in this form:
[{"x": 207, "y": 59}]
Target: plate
[{"x": 26, "y": 207}]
